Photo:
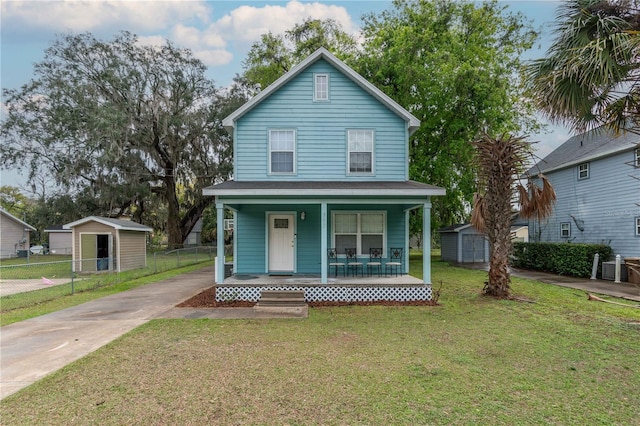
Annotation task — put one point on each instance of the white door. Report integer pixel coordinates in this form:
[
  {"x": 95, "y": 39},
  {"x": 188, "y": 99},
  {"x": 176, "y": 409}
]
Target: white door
[{"x": 281, "y": 242}]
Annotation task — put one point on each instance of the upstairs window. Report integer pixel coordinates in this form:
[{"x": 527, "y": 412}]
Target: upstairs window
[
  {"x": 282, "y": 150},
  {"x": 583, "y": 171},
  {"x": 321, "y": 87},
  {"x": 637, "y": 226},
  {"x": 360, "y": 151},
  {"x": 565, "y": 230}
]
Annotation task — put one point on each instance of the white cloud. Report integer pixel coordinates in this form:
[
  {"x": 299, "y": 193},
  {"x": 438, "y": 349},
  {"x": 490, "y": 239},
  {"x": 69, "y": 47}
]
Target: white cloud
[
  {"x": 248, "y": 23},
  {"x": 78, "y": 15}
]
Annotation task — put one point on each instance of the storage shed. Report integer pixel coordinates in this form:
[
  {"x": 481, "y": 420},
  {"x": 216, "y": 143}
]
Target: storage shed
[
  {"x": 59, "y": 239},
  {"x": 14, "y": 235},
  {"x": 463, "y": 243},
  {"x": 105, "y": 244}
]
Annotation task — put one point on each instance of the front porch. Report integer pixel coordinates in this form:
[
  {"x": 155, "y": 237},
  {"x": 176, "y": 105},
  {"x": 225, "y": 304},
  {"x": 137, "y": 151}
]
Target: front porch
[{"x": 338, "y": 289}]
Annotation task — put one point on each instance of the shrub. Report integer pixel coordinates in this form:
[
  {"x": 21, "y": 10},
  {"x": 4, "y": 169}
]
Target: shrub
[{"x": 560, "y": 258}]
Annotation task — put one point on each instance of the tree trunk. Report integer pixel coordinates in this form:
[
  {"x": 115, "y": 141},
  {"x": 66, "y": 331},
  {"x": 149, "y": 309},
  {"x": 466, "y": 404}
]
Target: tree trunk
[{"x": 175, "y": 238}]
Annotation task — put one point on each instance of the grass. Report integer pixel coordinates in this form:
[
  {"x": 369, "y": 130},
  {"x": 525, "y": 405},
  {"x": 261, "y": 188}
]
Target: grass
[
  {"x": 58, "y": 297},
  {"x": 472, "y": 360}
]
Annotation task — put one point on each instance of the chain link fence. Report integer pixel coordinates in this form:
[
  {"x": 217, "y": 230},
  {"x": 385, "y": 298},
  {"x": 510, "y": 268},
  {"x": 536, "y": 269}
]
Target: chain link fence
[{"x": 37, "y": 279}]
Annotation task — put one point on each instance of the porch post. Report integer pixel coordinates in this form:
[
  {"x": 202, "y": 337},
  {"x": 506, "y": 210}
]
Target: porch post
[
  {"x": 323, "y": 242},
  {"x": 220, "y": 242},
  {"x": 426, "y": 242}
]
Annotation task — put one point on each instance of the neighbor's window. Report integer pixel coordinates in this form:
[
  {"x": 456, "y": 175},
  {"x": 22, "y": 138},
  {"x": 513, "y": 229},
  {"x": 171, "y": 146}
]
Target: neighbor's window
[
  {"x": 321, "y": 87},
  {"x": 565, "y": 230},
  {"x": 360, "y": 230},
  {"x": 583, "y": 171},
  {"x": 360, "y": 151},
  {"x": 637, "y": 225},
  {"x": 637, "y": 157},
  {"x": 282, "y": 147}
]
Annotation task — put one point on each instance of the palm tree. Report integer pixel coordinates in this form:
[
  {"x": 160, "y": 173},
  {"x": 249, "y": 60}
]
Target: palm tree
[
  {"x": 500, "y": 161},
  {"x": 590, "y": 75}
]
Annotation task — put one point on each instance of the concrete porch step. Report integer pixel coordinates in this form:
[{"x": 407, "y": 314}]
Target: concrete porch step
[{"x": 281, "y": 298}]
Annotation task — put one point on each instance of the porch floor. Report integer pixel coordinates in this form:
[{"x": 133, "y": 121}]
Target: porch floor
[{"x": 314, "y": 280}]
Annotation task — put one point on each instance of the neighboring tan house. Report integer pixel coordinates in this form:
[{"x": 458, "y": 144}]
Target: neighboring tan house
[
  {"x": 596, "y": 177},
  {"x": 14, "y": 235},
  {"x": 321, "y": 161},
  {"x": 60, "y": 239},
  {"x": 105, "y": 244}
]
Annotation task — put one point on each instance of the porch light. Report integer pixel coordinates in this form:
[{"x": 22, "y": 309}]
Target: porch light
[{"x": 303, "y": 215}]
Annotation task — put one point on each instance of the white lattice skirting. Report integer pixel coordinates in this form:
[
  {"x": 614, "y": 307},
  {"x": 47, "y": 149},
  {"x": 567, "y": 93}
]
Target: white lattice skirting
[{"x": 330, "y": 293}]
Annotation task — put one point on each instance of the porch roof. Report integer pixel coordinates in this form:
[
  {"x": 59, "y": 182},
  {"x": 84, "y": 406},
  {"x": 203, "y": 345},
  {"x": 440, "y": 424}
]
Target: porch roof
[{"x": 324, "y": 188}]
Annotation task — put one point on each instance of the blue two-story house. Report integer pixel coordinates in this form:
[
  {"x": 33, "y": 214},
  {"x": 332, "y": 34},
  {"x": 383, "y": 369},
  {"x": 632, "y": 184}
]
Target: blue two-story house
[
  {"x": 596, "y": 176},
  {"x": 321, "y": 161}
]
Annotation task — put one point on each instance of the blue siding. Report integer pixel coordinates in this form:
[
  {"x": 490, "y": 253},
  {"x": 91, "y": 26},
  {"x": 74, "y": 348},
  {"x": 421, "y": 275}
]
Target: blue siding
[
  {"x": 607, "y": 202},
  {"x": 321, "y": 150},
  {"x": 449, "y": 246},
  {"x": 251, "y": 230}
]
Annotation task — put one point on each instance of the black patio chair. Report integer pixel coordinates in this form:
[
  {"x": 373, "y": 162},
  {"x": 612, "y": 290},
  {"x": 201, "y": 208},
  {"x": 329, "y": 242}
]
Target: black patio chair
[
  {"x": 375, "y": 261},
  {"x": 352, "y": 262},
  {"x": 332, "y": 254},
  {"x": 395, "y": 261}
]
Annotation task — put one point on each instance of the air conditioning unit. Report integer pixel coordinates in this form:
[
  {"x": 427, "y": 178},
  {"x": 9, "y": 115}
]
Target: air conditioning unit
[
  {"x": 228, "y": 224},
  {"x": 609, "y": 271}
]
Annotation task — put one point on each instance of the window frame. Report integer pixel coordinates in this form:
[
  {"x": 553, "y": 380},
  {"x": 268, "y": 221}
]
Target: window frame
[
  {"x": 636, "y": 158},
  {"x": 562, "y": 229},
  {"x": 638, "y": 226},
  {"x": 359, "y": 232},
  {"x": 293, "y": 151},
  {"x": 586, "y": 169},
  {"x": 317, "y": 98},
  {"x": 372, "y": 151}
]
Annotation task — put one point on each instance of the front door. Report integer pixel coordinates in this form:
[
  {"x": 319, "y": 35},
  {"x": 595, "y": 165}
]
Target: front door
[{"x": 281, "y": 242}]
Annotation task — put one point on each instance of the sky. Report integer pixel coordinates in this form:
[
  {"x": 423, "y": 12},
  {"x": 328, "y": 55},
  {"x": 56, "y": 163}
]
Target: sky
[{"x": 219, "y": 33}]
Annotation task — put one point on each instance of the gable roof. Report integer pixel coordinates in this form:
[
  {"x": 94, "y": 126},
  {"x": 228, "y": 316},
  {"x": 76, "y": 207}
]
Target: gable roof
[
  {"x": 123, "y": 225},
  {"x": 322, "y": 53},
  {"x": 585, "y": 147},
  {"x": 15, "y": 219}
]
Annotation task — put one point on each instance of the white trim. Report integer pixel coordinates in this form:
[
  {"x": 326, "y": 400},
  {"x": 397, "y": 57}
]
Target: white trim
[
  {"x": 373, "y": 150},
  {"x": 562, "y": 229},
  {"x": 586, "y": 169},
  {"x": 368, "y": 201},
  {"x": 230, "y": 121},
  {"x": 315, "y": 87},
  {"x": 637, "y": 226},
  {"x": 107, "y": 222},
  {"x": 359, "y": 233},
  {"x": 372, "y": 192},
  {"x": 636, "y": 157},
  {"x": 293, "y": 151}
]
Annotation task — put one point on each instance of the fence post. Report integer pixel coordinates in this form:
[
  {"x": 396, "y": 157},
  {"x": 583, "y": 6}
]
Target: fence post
[
  {"x": 178, "y": 253},
  {"x": 155, "y": 262},
  {"x": 72, "y": 283}
]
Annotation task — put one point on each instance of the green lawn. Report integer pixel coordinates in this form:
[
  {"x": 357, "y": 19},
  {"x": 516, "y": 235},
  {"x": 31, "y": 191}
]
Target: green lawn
[{"x": 472, "y": 360}]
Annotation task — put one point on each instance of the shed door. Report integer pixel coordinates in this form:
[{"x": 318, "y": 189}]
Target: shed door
[
  {"x": 88, "y": 252},
  {"x": 472, "y": 248},
  {"x": 281, "y": 242}
]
